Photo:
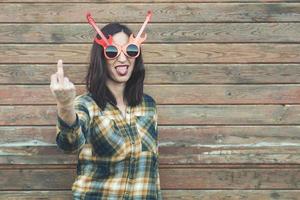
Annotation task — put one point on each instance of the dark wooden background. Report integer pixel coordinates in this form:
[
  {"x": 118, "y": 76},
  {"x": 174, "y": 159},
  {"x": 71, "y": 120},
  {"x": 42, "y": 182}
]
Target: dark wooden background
[{"x": 225, "y": 75}]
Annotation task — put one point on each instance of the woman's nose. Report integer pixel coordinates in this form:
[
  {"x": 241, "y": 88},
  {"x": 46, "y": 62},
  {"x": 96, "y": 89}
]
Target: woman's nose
[{"x": 122, "y": 57}]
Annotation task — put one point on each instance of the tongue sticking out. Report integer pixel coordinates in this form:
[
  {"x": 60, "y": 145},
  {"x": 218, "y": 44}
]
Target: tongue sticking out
[{"x": 122, "y": 70}]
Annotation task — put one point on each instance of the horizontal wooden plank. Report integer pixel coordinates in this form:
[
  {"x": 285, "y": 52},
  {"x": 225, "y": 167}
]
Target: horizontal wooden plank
[
  {"x": 164, "y": 94},
  {"x": 163, "y": 73},
  {"x": 260, "y": 153},
  {"x": 158, "y": 53},
  {"x": 137, "y": 1},
  {"x": 169, "y": 194},
  {"x": 162, "y": 166},
  {"x": 208, "y": 144},
  {"x": 177, "y": 145},
  {"x": 15, "y": 156},
  {"x": 171, "y": 178},
  {"x": 32, "y": 195},
  {"x": 230, "y": 114},
  {"x": 169, "y": 115},
  {"x": 37, "y": 179},
  {"x": 229, "y": 179},
  {"x": 177, "y": 33},
  {"x": 230, "y": 194},
  {"x": 262, "y": 136},
  {"x": 162, "y": 12},
  {"x": 172, "y": 136},
  {"x": 219, "y": 157}
]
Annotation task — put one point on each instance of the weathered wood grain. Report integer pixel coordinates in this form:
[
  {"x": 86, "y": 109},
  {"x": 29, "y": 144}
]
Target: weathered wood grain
[
  {"x": 230, "y": 114},
  {"x": 163, "y": 73},
  {"x": 164, "y": 94},
  {"x": 260, "y": 153},
  {"x": 177, "y": 145},
  {"x": 162, "y": 166},
  {"x": 217, "y": 157},
  {"x": 247, "y": 151},
  {"x": 231, "y": 194},
  {"x": 158, "y": 53},
  {"x": 32, "y": 195},
  {"x": 162, "y": 33},
  {"x": 172, "y": 178},
  {"x": 172, "y": 135},
  {"x": 169, "y": 195},
  {"x": 162, "y": 12},
  {"x": 144, "y": 1},
  {"x": 173, "y": 114}
]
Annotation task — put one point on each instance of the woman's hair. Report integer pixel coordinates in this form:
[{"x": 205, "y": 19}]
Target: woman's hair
[{"x": 98, "y": 73}]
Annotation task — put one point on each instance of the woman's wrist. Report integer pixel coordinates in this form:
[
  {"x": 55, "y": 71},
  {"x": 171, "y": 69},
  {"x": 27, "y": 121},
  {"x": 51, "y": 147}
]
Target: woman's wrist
[
  {"x": 67, "y": 105},
  {"x": 67, "y": 112}
]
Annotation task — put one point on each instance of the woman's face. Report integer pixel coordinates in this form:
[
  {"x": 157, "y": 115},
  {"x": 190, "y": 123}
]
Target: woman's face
[{"x": 120, "y": 68}]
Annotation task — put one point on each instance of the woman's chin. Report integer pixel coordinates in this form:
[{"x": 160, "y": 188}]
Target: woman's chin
[{"x": 121, "y": 79}]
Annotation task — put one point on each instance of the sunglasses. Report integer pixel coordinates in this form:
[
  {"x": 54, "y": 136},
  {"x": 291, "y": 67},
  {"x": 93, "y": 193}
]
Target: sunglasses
[{"x": 131, "y": 49}]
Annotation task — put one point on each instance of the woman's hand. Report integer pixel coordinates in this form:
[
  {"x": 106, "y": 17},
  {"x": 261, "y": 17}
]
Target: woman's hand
[{"x": 62, "y": 89}]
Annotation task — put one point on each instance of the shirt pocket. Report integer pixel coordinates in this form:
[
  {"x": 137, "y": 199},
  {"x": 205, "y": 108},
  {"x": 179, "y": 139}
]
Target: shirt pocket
[
  {"x": 106, "y": 138},
  {"x": 146, "y": 129}
]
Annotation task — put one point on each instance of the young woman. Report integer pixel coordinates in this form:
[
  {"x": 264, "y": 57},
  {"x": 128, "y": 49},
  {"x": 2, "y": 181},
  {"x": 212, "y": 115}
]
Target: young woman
[{"x": 113, "y": 126}]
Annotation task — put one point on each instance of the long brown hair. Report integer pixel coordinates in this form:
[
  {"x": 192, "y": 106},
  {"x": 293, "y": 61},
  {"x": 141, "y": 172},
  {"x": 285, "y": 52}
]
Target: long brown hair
[{"x": 98, "y": 73}]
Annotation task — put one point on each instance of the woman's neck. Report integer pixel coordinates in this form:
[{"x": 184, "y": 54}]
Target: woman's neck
[{"x": 117, "y": 90}]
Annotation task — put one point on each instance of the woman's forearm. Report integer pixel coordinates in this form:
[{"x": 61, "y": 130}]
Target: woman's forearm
[
  {"x": 67, "y": 113},
  {"x": 69, "y": 134}
]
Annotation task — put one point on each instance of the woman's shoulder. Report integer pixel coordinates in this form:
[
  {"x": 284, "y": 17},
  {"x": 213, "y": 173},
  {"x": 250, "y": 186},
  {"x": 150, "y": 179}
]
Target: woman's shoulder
[{"x": 148, "y": 99}]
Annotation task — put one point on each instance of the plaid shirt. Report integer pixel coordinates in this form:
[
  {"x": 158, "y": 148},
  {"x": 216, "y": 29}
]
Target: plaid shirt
[{"x": 117, "y": 155}]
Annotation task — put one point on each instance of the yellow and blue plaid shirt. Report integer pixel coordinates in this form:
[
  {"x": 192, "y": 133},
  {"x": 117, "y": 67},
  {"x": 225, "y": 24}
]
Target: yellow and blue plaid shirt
[{"x": 117, "y": 155}]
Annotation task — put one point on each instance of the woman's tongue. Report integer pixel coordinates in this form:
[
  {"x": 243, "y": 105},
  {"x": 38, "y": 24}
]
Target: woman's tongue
[{"x": 122, "y": 70}]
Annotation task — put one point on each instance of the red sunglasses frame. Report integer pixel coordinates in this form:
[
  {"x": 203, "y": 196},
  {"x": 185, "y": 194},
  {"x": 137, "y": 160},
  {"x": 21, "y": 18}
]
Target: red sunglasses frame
[{"x": 105, "y": 43}]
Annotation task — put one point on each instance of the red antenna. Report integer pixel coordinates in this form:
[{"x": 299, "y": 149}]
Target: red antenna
[{"x": 93, "y": 23}]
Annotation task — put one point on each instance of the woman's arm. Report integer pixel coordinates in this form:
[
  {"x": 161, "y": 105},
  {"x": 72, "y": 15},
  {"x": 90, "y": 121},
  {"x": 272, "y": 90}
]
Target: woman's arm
[
  {"x": 67, "y": 113},
  {"x": 71, "y": 136},
  {"x": 72, "y": 115}
]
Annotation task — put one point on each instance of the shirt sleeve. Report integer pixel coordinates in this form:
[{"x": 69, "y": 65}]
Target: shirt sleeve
[
  {"x": 155, "y": 117},
  {"x": 71, "y": 138},
  {"x": 156, "y": 125}
]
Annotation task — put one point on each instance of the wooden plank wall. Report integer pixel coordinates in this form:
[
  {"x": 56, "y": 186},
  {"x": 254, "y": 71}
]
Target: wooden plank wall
[{"x": 225, "y": 74}]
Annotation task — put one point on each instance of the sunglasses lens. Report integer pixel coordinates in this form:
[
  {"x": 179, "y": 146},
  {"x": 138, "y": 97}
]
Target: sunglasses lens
[
  {"x": 111, "y": 51},
  {"x": 132, "y": 50}
]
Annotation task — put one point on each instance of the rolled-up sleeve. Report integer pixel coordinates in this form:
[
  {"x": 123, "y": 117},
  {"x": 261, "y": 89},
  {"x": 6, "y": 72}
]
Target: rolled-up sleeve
[{"x": 71, "y": 138}]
